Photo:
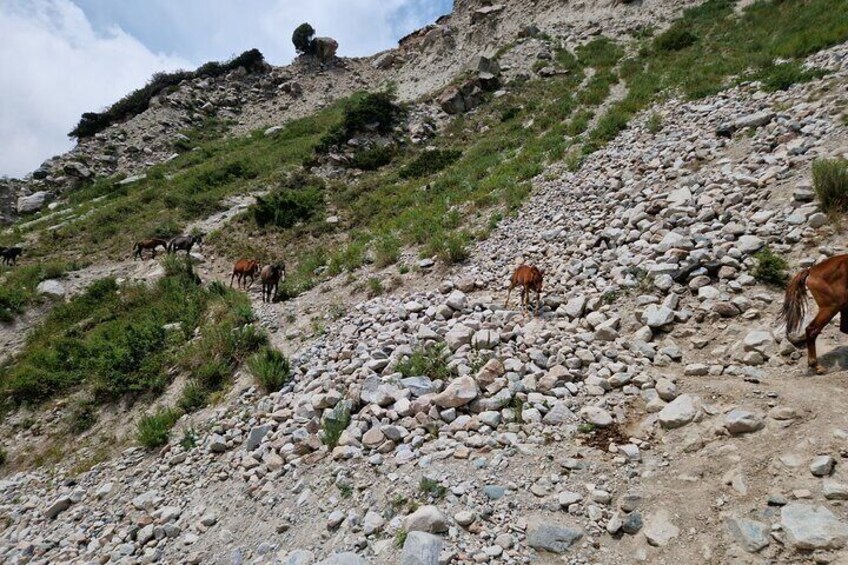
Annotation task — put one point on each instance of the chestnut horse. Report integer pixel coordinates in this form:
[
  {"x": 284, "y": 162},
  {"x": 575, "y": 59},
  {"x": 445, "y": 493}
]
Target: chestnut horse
[
  {"x": 828, "y": 283},
  {"x": 270, "y": 276},
  {"x": 149, "y": 244},
  {"x": 244, "y": 269},
  {"x": 528, "y": 278}
]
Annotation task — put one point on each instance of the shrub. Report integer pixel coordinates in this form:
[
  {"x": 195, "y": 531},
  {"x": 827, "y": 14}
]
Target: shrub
[
  {"x": 270, "y": 368},
  {"x": 830, "y": 181},
  {"x": 335, "y": 424},
  {"x": 784, "y": 75},
  {"x": 189, "y": 440},
  {"x": 654, "y": 123},
  {"x": 82, "y": 417},
  {"x": 303, "y": 39},
  {"x": 432, "y": 487},
  {"x": 674, "y": 38},
  {"x": 372, "y": 111},
  {"x": 454, "y": 249},
  {"x": 429, "y": 362},
  {"x": 375, "y": 287},
  {"x": 152, "y": 430},
  {"x": 386, "y": 251},
  {"x": 430, "y": 162},
  {"x": 771, "y": 268},
  {"x": 193, "y": 398},
  {"x": 285, "y": 208},
  {"x": 373, "y": 158}
]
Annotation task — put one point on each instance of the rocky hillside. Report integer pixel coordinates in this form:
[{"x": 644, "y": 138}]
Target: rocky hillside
[{"x": 652, "y": 412}]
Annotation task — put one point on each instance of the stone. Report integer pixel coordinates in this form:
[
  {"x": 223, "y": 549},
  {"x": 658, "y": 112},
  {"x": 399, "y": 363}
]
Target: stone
[
  {"x": 465, "y": 518},
  {"x": 51, "y": 287},
  {"x": 811, "y": 527},
  {"x": 32, "y": 203},
  {"x": 632, "y": 524},
  {"x": 658, "y": 316},
  {"x": 458, "y": 336},
  {"x": 749, "y": 244},
  {"x": 739, "y": 422},
  {"x": 58, "y": 506},
  {"x": 553, "y": 537},
  {"x": 459, "y": 392},
  {"x": 681, "y": 411},
  {"x": 658, "y": 529},
  {"x": 666, "y": 389},
  {"x": 254, "y": 439},
  {"x": 596, "y": 416},
  {"x": 217, "y": 443},
  {"x": 335, "y": 519},
  {"x": 372, "y": 523},
  {"x": 750, "y": 534},
  {"x": 833, "y": 490},
  {"x": 347, "y": 558},
  {"x": 421, "y": 548},
  {"x": 485, "y": 339},
  {"x": 822, "y": 466},
  {"x": 426, "y": 519}
]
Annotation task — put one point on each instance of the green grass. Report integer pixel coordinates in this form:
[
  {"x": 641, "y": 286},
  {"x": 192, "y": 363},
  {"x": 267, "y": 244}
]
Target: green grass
[
  {"x": 334, "y": 425},
  {"x": 771, "y": 268},
  {"x": 153, "y": 429},
  {"x": 18, "y": 284},
  {"x": 431, "y": 162},
  {"x": 270, "y": 368},
  {"x": 111, "y": 339},
  {"x": 429, "y": 362},
  {"x": 710, "y": 46},
  {"x": 830, "y": 182},
  {"x": 432, "y": 488}
]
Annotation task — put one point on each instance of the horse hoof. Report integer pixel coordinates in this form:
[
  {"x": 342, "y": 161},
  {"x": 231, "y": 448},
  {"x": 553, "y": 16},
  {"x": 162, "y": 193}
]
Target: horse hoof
[{"x": 820, "y": 370}]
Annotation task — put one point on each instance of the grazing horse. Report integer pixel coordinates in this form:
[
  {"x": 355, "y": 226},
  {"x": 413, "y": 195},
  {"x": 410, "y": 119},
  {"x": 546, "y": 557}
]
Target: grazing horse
[
  {"x": 244, "y": 269},
  {"x": 270, "y": 276},
  {"x": 828, "y": 283},
  {"x": 528, "y": 278},
  {"x": 185, "y": 242},
  {"x": 149, "y": 244},
  {"x": 10, "y": 254}
]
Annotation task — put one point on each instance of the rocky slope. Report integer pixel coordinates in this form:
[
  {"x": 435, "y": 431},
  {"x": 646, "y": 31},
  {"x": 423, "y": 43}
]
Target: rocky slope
[
  {"x": 423, "y": 64},
  {"x": 652, "y": 413}
]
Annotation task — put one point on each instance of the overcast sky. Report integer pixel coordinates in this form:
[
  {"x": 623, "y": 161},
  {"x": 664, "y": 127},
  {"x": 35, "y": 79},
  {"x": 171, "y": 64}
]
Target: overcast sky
[{"x": 60, "y": 58}]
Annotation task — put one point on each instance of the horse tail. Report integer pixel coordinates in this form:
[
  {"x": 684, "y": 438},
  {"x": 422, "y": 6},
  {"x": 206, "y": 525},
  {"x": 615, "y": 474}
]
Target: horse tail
[{"x": 795, "y": 302}]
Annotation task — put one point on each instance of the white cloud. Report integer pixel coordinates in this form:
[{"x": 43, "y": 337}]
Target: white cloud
[{"x": 55, "y": 67}]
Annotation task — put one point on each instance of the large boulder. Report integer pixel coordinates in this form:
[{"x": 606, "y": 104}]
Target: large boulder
[
  {"x": 458, "y": 393},
  {"x": 51, "y": 287},
  {"x": 32, "y": 203},
  {"x": 811, "y": 527},
  {"x": 553, "y": 537},
  {"x": 325, "y": 48},
  {"x": 426, "y": 519},
  {"x": 681, "y": 411},
  {"x": 421, "y": 548}
]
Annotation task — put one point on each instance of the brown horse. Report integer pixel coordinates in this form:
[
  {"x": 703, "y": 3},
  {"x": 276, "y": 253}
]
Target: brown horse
[
  {"x": 528, "y": 278},
  {"x": 828, "y": 283},
  {"x": 149, "y": 244},
  {"x": 270, "y": 276},
  {"x": 244, "y": 269}
]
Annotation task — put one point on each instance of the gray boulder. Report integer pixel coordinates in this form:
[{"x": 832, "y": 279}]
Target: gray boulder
[
  {"x": 421, "y": 548},
  {"x": 811, "y": 527}
]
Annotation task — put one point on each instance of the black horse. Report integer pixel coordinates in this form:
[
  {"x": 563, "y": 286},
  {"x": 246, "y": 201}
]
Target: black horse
[
  {"x": 185, "y": 242},
  {"x": 10, "y": 254}
]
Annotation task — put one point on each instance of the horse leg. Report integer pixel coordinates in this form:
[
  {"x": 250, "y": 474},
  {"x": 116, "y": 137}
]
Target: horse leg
[
  {"x": 231, "y": 279},
  {"x": 538, "y": 300},
  {"x": 823, "y": 317},
  {"x": 843, "y": 320}
]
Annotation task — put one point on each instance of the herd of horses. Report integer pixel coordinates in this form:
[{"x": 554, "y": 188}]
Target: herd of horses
[{"x": 827, "y": 282}]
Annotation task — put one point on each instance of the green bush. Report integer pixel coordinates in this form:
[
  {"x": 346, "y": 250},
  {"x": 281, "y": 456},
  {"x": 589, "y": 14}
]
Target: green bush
[
  {"x": 138, "y": 101},
  {"x": 427, "y": 362},
  {"x": 784, "y": 75},
  {"x": 335, "y": 424},
  {"x": 83, "y": 416},
  {"x": 270, "y": 368},
  {"x": 285, "y": 208},
  {"x": 654, "y": 123},
  {"x": 18, "y": 289},
  {"x": 375, "y": 287},
  {"x": 675, "y": 38},
  {"x": 430, "y": 162},
  {"x": 373, "y": 158},
  {"x": 432, "y": 488},
  {"x": 193, "y": 398},
  {"x": 386, "y": 251},
  {"x": 303, "y": 39},
  {"x": 771, "y": 268},
  {"x": 153, "y": 429},
  {"x": 372, "y": 111},
  {"x": 830, "y": 182}
]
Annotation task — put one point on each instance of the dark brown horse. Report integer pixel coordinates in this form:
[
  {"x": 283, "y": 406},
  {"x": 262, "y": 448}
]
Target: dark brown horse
[
  {"x": 185, "y": 242},
  {"x": 270, "y": 276},
  {"x": 828, "y": 283},
  {"x": 149, "y": 244},
  {"x": 528, "y": 278},
  {"x": 244, "y": 269},
  {"x": 10, "y": 254}
]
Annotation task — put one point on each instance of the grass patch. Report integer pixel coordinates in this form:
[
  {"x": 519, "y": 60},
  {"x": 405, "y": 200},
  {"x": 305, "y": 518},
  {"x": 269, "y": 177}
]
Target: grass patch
[
  {"x": 153, "y": 429},
  {"x": 334, "y": 424},
  {"x": 17, "y": 290},
  {"x": 428, "y": 362},
  {"x": 270, "y": 368},
  {"x": 432, "y": 488},
  {"x": 830, "y": 182},
  {"x": 784, "y": 75},
  {"x": 431, "y": 162},
  {"x": 771, "y": 268},
  {"x": 372, "y": 158}
]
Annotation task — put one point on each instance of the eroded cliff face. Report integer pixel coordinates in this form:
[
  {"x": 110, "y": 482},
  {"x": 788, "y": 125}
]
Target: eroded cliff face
[{"x": 420, "y": 68}]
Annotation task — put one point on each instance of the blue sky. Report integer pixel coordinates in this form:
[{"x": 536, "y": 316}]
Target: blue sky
[{"x": 61, "y": 58}]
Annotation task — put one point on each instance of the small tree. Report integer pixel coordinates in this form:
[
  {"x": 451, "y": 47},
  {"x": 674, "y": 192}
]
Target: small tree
[{"x": 304, "y": 39}]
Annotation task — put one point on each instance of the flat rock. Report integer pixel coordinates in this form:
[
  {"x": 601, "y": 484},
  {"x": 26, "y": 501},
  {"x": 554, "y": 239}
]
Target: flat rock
[
  {"x": 459, "y": 392},
  {"x": 811, "y": 527},
  {"x": 553, "y": 537},
  {"x": 421, "y": 548},
  {"x": 750, "y": 534},
  {"x": 679, "y": 412},
  {"x": 659, "y": 530},
  {"x": 426, "y": 519},
  {"x": 739, "y": 422}
]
